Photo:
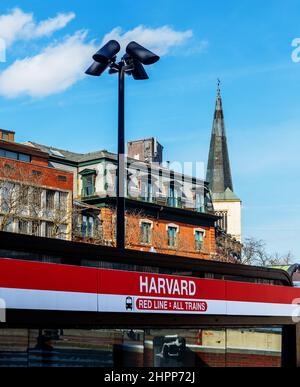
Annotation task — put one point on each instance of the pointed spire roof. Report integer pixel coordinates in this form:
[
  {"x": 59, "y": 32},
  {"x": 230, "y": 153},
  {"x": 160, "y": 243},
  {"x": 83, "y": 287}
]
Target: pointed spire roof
[{"x": 218, "y": 168}]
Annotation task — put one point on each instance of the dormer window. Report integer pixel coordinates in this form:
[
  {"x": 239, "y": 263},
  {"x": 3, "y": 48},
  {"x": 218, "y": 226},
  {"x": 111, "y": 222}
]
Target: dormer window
[{"x": 88, "y": 177}]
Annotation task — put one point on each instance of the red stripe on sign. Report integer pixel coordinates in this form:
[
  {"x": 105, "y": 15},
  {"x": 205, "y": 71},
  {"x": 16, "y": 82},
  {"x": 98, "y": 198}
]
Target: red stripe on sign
[
  {"x": 43, "y": 276},
  {"x": 56, "y": 277},
  {"x": 249, "y": 292}
]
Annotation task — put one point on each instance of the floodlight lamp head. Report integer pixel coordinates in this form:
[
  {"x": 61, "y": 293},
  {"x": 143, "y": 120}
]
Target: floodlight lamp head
[
  {"x": 141, "y": 54},
  {"x": 139, "y": 73},
  {"x": 96, "y": 69},
  {"x": 107, "y": 52},
  {"x": 135, "y": 68}
]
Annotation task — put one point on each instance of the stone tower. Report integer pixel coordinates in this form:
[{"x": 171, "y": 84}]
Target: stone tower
[{"x": 226, "y": 204}]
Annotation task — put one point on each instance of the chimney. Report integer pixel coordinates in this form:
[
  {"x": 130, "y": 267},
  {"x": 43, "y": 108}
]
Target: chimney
[
  {"x": 147, "y": 150},
  {"x": 7, "y": 135}
]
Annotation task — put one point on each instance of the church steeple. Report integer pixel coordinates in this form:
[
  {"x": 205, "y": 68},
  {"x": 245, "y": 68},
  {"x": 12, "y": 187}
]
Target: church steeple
[
  {"x": 226, "y": 204},
  {"x": 218, "y": 168}
]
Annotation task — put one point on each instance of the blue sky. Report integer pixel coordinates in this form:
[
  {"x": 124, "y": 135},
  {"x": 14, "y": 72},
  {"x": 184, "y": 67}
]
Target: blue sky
[{"x": 247, "y": 44}]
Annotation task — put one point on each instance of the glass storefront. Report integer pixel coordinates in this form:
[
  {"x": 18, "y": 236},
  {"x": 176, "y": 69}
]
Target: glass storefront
[{"x": 206, "y": 347}]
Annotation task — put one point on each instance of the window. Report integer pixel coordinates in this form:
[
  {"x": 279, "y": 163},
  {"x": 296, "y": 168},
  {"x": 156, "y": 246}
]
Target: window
[
  {"x": 7, "y": 192},
  {"x": 8, "y": 224},
  {"x": 36, "y": 173},
  {"x": 84, "y": 226},
  {"x": 23, "y": 227},
  {"x": 199, "y": 202},
  {"x": 173, "y": 200},
  {"x": 11, "y": 155},
  {"x": 24, "y": 195},
  {"x": 199, "y": 238},
  {"x": 215, "y": 346},
  {"x": 50, "y": 199},
  {"x": 146, "y": 233},
  {"x": 9, "y": 168},
  {"x": 61, "y": 232},
  {"x": 49, "y": 230},
  {"x": 147, "y": 191},
  {"x": 88, "y": 185},
  {"x": 90, "y": 227},
  {"x": 223, "y": 222},
  {"x": 15, "y": 155},
  {"x": 87, "y": 227},
  {"x": 36, "y": 198},
  {"x": 62, "y": 200},
  {"x": 160, "y": 181},
  {"x": 62, "y": 178},
  {"x": 35, "y": 230},
  {"x": 23, "y": 157},
  {"x": 172, "y": 236}
]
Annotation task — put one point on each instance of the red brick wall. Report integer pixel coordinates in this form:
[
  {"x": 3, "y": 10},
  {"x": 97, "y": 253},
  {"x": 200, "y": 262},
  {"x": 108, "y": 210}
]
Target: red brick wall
[
  {"x": 43, "y": 176},
  {"x": 36, "y": 160},
  {"x": 186, "y": 237}
]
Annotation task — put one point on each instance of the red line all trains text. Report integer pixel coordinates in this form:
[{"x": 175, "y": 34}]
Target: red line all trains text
[{"x": 171, "y": 305}]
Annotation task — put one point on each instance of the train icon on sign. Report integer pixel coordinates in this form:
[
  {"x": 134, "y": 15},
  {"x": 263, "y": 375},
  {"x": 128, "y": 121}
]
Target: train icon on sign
[{"x": 129, "y": 303}]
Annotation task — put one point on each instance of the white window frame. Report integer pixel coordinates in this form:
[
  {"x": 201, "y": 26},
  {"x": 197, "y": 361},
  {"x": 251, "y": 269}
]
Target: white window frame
[
  {"x": 173, "y": 225},
  {"x": 146, "y": 221},
  {"x": 200, "y": 230}
]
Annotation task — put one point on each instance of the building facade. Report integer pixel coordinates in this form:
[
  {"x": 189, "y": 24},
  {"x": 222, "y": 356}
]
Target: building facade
[
  {"x": 166, "y": 211},
  {"x": 35, "y": 199}
]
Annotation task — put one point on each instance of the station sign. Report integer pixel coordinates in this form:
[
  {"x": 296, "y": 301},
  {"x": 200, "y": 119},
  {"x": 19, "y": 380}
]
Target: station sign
[
  {"x": 157, "y": 293},
  {"x": 29, "y": 285}
]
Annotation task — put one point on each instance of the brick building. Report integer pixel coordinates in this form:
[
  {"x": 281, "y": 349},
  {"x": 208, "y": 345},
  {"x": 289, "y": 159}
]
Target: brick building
[
  {"x": 149, "y": 150},
  {"x": 34, "y": 198},
  {"x": 166, "y": 211}
]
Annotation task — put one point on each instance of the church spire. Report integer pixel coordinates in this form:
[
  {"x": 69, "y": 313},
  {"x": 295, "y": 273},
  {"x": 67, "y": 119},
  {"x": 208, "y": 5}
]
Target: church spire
[{"x": 218, "y": 168}]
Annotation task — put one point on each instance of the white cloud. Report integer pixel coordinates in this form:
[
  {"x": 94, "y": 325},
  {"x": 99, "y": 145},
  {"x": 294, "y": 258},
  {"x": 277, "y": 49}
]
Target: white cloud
[
  {"x": 53, "y": 70},
  {"x": 160, "y": 40},
  {"x": 47, "y": 27},
  {"x": 61, "y": 64},
  {"x": 19, "y": 25}
]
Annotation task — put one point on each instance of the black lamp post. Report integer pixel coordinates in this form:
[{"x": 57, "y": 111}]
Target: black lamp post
[{"x": 132, "y": 64}]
